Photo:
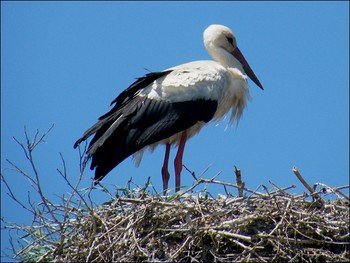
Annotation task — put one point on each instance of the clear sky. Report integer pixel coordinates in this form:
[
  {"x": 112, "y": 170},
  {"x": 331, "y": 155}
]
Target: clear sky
[{"x": 64, "y": 62}]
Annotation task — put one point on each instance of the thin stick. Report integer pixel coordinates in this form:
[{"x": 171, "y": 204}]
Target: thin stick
[
  {"x": 240, "y": 184},
  {"x": 308, "y": 187}
]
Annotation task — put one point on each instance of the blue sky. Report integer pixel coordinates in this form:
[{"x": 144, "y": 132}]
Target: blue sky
[{"x": 63, "y": 63}]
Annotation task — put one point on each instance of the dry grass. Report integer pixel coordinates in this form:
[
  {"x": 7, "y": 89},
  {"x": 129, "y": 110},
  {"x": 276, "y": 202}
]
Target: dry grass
[{"x": 193, "y": 226}]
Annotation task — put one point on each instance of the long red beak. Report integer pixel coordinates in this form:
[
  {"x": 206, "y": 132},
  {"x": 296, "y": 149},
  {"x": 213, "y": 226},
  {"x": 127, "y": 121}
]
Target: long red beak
[{"x": 238, "y": 55}]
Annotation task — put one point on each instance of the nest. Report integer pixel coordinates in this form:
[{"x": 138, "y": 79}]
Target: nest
[
  {"x": 141, "y": 225},
  {"x": 192, "y": 226},
  {"x": 195, "y": 227}
]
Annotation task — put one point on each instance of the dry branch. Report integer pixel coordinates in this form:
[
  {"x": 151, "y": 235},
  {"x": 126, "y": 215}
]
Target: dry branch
[
  {"x": 308, "y": 187},
  {"x": 240, "y": 184}
]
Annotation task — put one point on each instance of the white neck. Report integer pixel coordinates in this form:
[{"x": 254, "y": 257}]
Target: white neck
[{"x": 223, "y": 57}]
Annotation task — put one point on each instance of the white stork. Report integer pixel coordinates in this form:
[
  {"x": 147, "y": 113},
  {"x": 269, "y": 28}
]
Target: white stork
[{"x": 171, "y": 106}]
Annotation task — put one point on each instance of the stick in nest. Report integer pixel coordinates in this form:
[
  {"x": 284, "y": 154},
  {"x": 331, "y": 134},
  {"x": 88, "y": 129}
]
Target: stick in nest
[
  {"x": 308, "y": 187},
  {"x": 240, "y": 184}
]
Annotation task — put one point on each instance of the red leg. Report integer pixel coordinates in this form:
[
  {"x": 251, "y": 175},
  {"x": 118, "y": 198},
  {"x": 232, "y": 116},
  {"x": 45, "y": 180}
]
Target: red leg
[
  {"x": 178, "y": 160},
  {"x": 165, "y": 171}
]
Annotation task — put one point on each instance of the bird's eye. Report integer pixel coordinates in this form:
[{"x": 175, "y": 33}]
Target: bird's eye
[{"x": 230, "y": 40}]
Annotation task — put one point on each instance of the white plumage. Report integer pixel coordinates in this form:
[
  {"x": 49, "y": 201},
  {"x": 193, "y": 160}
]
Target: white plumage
[{"x": 171, "y": 106}]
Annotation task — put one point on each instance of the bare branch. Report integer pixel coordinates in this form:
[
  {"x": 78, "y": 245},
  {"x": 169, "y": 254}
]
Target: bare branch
[
  {"x": 239, "y": 181},
  {"x": 308, "y": 187}
]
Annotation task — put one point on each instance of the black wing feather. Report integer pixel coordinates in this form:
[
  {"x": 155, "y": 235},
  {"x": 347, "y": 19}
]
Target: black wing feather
[
  {"x": 133, "y": 89},
  {"x": 140, "y": 83},
  {"x": 102, "y": 125},
  {"x": 135, "y": 122},
  {"x": 150, "y": 121}
]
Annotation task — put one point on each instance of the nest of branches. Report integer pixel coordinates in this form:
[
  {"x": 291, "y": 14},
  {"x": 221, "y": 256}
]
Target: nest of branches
[
  {"x": 194, "y": 227},
  {"x": 191, "y": 225}
]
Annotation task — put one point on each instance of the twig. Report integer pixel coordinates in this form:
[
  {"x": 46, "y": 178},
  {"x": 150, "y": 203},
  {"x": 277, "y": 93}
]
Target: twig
[
  {"x": 203, "y": 180},
  {"x": 11, "y": 194},
  {"x": 240, "y": 184},
  {"x": 281, "y": 189},
  {"x": 138, "y": 246},
  {"x": 191, "y": 172},
  {"x": 173, "y": 256},
  {"x": 328, "y": 189},
  {"x": 233, "y": 235},
  {"x": 308, "y": 187}
]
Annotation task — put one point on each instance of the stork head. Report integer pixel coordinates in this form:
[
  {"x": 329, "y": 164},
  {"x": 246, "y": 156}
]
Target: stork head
[{"x": 221, "y": 43}]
